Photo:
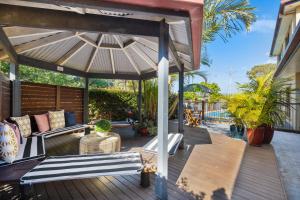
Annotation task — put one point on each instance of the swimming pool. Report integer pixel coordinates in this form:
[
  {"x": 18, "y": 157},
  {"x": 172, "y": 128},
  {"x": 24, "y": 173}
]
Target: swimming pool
[{"x": 217, "y": 114}]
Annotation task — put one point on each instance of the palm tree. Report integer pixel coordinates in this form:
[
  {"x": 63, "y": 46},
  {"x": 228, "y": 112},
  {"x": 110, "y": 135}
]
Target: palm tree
[
  {"x": 225, "y": 18},
  {"x": 222, "y": 18}
]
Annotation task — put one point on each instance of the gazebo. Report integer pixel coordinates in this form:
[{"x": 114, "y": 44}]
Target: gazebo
[{"x": 108, "y": 39}]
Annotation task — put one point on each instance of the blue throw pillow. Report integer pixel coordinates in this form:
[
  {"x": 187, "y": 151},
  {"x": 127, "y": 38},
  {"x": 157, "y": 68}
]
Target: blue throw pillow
[{"x": 70, "y": 119}]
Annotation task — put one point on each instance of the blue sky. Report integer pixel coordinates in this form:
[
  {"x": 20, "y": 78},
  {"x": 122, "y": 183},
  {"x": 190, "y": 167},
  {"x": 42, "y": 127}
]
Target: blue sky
[{"x": 243, "y": 50}]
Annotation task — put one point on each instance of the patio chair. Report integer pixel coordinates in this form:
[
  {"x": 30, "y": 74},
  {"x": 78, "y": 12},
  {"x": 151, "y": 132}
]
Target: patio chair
[
  {"x": 174, "y": 140},
  {"x": 192, "y": 120}
]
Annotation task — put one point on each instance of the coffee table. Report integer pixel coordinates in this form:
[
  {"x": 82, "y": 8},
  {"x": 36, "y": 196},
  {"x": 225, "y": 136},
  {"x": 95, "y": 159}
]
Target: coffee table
[{"x": 100, "y": 143}]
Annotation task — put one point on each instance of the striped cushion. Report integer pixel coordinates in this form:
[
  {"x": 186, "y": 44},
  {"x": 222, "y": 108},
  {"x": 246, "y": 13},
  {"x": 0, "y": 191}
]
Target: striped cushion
[
  {"x": 84, "y": 166},
  {"x": 174, "y": 140},
  {"x": 60, "y": 131},
  {"x": 31, "y": 148}
]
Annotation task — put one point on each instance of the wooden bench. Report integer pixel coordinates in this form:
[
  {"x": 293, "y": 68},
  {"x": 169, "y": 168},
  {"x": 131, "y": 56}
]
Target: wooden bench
[{"x": 61, "y": 131}]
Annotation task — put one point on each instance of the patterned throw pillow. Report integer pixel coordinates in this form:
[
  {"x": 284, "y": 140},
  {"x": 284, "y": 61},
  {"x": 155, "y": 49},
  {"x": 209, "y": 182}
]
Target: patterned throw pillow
[
  {"x": 23, "y": 124},
  {"x": 57, "y": 119},
  {"x": 16, "y": 130},
  {"x": 9, "y": 146}
]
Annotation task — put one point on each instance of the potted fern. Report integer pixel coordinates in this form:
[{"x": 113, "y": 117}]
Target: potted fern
[
  {"x": 103, "y": 127},
  {"x": 259, "y": 106}
]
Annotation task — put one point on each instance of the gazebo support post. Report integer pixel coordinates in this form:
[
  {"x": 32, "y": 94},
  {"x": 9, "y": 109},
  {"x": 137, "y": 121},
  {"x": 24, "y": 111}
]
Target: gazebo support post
[
  {"x": 140, "y": 100},
  {"x": 16, "y": 89},
  {"x": 86, "y": 102},
  {"x": 180, "y": 103},
  {"x": 162, "y": 120}
]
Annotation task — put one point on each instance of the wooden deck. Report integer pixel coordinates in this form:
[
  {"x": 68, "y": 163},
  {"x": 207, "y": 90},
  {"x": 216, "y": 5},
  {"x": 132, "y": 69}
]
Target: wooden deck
[{"x": 221, "y": 157}]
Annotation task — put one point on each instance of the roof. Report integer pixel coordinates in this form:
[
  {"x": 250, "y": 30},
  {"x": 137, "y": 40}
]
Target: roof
[
  {"x": 97, "y": 52},
  {"x": 283, "y": 3}
]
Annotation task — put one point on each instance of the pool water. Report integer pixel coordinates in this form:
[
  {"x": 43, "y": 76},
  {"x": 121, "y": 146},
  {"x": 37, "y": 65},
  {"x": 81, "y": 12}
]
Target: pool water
[{"x": 217, "y": 114}]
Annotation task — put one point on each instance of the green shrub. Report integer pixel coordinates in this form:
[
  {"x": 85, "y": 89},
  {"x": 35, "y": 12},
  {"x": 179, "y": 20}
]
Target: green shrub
[
  {"x": 111, "y": 104},
  {"x": 103, "y": 126}
]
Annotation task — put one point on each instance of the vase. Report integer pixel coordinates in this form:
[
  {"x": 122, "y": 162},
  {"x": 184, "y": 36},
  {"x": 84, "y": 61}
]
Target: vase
[{"x": 255, "y": 136}]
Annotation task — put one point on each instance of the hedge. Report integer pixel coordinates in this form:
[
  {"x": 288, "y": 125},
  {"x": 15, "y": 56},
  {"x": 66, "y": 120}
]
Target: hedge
[
  {"x": 114, "y": 104},
  {"x": 111, "y": 104}
]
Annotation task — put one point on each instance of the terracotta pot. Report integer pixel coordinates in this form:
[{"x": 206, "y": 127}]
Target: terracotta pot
[
  {"x": 255, "y": 136},
  {"x": 268, "y": 136},
  {"x": 143, "y": 131}
]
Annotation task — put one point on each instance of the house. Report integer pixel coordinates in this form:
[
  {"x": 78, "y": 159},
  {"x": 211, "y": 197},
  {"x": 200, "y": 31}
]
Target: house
[{"x": 286, "y": 46}]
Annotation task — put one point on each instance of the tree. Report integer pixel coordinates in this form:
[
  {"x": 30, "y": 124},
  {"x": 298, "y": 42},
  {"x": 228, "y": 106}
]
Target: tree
[
  {"x": 100, "y": 83},
  {"x": 224, "y": 18},
  {"x": 260, "y": 70},
  {"x": 4, "y": 67},
  {"x": 214, "y": 95}
]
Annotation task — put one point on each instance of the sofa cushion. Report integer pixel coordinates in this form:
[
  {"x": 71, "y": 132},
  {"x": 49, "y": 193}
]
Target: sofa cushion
[
  {"x": 16, "y": 130},
  {"x": 23, "y": 124},
  {"x": 31, "y": 149},
  {"x": 56, "y": 119},
  {"x": 9, "y": 146},
  {"x": 42, "y": 122},
  {"x": 70, "y": 119}
]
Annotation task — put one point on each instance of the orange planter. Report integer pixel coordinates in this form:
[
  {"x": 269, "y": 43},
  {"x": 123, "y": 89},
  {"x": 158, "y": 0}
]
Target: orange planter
[
  {"x": 255, "y": 136},
  {"x": 268, "y": 135}
]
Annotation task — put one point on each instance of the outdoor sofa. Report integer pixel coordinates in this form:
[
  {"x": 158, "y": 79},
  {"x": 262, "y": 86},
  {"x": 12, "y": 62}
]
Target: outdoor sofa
[{"x": 32, "y": 166}]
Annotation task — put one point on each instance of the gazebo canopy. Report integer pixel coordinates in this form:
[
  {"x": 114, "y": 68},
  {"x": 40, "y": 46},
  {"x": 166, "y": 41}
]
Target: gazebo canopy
[{"x": 85, "y": 37}]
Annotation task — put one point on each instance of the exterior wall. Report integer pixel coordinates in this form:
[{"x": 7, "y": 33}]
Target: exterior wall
[
  {"x": 292, "y": 122},
  {"x": 297, "y": 115}
]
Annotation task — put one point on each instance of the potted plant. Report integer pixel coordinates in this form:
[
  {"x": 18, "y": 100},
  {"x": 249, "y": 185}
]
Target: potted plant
[
  {"x": 103, "y": 127},
  {"x": 272, "y": 113},
  {"x": 259, "y": 107},
  {"x": 142, "y": 128},
  {"x": 152, "y": 129}
]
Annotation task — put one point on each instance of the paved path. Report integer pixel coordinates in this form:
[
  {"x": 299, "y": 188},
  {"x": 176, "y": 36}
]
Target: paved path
[{"x": 287, "y": 149}]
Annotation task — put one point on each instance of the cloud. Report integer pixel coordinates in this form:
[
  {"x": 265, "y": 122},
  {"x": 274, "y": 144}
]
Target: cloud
[
  {"x": 263, "y": 26},
  {"x": 272, "y": 60}
]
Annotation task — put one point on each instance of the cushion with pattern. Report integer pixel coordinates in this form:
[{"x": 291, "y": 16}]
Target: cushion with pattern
[
  {"x": 56, "y": 119},
  {"x": 16, "y": 130},
  {"x": 24, "y": 125},
  {"x": 9, "y": 146}
]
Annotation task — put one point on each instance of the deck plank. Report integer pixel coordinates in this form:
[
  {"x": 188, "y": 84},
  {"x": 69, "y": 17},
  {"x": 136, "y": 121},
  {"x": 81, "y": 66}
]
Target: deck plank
[
  {"x": 259, "y": 177},
  {"x": 256, "y": 178}
]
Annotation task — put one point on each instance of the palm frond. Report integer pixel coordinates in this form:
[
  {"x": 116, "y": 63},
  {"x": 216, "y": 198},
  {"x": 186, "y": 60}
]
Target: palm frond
[{"x": 224, "y": 18}]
